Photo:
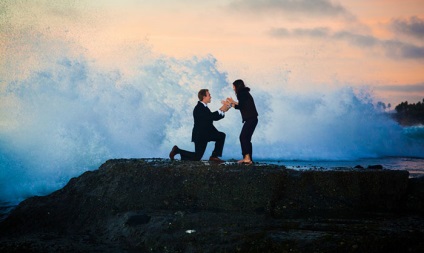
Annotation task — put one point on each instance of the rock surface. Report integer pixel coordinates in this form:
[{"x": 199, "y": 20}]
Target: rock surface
[{"x": 153, "y": 205}]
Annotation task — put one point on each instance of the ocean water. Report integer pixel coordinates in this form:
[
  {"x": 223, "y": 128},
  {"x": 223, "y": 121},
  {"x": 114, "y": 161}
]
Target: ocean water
[
  {"x": 63, "y": 113},
  {"x": 415, "y": 166}
]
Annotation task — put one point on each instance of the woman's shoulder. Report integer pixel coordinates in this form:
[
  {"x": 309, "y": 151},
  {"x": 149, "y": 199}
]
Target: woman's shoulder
[
  {"x": 243, "y": 92},
  {"x": 245, "y": 89}
]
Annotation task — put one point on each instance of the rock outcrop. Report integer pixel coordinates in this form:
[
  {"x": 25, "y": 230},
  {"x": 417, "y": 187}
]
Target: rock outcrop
[{"x": 153, "y": 205}]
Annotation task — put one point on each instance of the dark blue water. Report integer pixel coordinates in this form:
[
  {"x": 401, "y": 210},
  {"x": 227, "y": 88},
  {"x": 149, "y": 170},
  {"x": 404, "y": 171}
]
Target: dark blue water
[{"x": 415, "y": 166}]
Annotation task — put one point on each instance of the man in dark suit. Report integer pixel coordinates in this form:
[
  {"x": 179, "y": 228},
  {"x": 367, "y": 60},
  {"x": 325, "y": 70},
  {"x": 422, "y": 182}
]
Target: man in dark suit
[{"x": 204, "y": 131}]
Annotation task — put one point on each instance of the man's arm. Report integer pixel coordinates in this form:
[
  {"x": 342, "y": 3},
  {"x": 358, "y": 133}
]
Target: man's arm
[
  {"x": 217, "y": 115},
  {"x": 202, "y": 114}
]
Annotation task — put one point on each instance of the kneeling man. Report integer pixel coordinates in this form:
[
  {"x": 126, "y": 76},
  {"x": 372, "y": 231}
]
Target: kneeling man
[{"x": 204, "y": 131}]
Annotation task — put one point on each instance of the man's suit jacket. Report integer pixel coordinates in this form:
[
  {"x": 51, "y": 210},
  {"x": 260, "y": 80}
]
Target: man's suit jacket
[{"x": 203, "y": 128}]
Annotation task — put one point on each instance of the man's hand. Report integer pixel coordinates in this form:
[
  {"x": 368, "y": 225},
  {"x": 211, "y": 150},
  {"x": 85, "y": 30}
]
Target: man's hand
[
  {"x": 224, "y": 108},
  {"x": 226, "y": 104}
]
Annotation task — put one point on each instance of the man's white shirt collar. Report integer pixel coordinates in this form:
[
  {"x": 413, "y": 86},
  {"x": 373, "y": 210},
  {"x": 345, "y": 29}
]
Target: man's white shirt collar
[{"x": 219, "y": 111}]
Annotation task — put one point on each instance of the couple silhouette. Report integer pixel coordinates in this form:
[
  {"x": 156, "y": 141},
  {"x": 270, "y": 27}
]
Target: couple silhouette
[{"x": 204, "y": 131}]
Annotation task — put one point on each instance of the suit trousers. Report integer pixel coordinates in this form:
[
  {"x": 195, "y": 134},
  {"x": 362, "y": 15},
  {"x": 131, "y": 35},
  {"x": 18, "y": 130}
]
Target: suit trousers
[
  {"x": 200, "y": 147},
  {"x": 249, "y": 127}
]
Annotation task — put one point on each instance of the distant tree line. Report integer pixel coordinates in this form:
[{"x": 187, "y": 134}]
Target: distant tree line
[{"x": 410, "y": 114}]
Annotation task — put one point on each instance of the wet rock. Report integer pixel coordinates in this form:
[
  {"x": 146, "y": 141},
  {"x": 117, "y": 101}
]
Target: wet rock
[
  {"x": 138, "y": 219},
  {"x": 415, "y": 197},
  {"x": 375, "y": 167},
  {"x": 139, "y": 205}
]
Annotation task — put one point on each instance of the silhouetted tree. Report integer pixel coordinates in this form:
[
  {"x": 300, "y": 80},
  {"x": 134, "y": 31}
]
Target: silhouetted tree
[{"x": 410, "y": 114}]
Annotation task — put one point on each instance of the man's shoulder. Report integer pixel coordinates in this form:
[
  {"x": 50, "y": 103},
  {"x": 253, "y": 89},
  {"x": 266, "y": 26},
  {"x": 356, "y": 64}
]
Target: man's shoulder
[{"x": 198, "y": 105}]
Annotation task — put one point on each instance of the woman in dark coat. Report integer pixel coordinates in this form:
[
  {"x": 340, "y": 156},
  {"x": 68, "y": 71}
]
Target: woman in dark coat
[{"x": 249, "y": 115}]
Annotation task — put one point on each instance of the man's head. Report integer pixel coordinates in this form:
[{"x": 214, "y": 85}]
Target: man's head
[{"x": 204, "y": 96}]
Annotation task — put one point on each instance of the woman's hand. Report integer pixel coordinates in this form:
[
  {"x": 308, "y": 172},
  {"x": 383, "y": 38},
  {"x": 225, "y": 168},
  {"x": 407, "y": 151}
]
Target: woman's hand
[{"x": 231, "y": 102}]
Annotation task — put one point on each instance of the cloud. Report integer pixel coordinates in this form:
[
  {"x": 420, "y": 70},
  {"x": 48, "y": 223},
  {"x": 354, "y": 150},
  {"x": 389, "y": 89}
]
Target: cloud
[
  {"x": 317, "y": 32},
  {"x": 394, "y": 48},
  {"x": 397, "y": 49},
  {"x": 408, "y": 88},
  {"x": 279, "y": 32},
  {"x": 356, "y": 39},
  {"x": 413, "y": 27},
  {"x": 309, "y": 7}
]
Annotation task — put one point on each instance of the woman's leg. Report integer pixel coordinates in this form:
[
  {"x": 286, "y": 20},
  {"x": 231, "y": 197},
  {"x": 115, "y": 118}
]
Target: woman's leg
[{"x": 246, "y": 138}]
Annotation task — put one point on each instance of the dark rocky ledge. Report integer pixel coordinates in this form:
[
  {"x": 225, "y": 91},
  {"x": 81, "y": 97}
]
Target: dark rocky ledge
[{"x": 154, "y": 205}]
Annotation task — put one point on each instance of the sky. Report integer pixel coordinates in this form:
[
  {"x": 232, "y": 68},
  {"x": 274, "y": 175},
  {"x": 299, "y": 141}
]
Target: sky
[{"x": 301, "y": 45}]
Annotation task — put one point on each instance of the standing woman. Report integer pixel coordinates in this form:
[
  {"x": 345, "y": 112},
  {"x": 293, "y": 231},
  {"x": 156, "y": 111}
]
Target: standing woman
[{"x": 249, "y": 115}]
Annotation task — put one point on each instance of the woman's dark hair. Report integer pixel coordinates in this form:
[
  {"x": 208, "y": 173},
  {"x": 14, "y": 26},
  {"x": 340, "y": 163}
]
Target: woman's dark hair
[{"x": 238, "y": 84}]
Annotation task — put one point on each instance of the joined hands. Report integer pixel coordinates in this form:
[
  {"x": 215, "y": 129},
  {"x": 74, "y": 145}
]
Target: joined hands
[{"x": 227, "y": 104}]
